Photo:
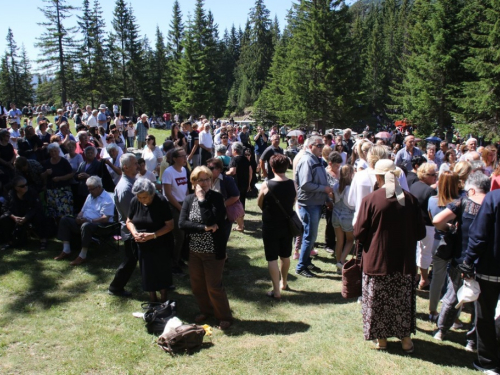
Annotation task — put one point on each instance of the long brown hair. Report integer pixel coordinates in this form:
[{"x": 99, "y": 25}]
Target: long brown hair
[
  {"x": 447, "y": 188},
  {"x": 346, "y": 173}
]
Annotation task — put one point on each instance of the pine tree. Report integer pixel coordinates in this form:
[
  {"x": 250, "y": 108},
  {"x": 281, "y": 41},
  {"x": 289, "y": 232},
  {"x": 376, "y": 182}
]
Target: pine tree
[
  {"x": 120, "y": 25},
  {"x": 26, "y": 91},
  {"x": 57, "y": 42},
  {"x": 160, "y": 80},
  {"x": 6, "y": 85},
  {"x": 14, "y": 69},
  {"x": 176, "y": 32},
  {"x": 135, "y": 65}
]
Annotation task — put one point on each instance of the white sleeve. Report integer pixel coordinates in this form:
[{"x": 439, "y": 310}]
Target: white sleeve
[{"x": 167, "y": 177}]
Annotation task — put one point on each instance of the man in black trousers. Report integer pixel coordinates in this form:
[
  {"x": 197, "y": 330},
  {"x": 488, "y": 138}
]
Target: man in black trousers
[{"x": 123, "y": 196}]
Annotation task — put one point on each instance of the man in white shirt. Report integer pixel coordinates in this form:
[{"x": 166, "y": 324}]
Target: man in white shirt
[
  {"x": 206, "y": 143},
  {"x": 87, "y": 114},
  {"x": 92, "y": 120},
  {"x": 14, "y": 133},
  {"x": 98, "y": 209},
  {"x": 15, "y": 113},
  {"x": 175, "y": 188}
]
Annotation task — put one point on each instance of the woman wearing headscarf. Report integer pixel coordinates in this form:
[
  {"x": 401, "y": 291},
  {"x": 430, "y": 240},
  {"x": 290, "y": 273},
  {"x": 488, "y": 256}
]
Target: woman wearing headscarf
[{"x": 388, "y": 261}]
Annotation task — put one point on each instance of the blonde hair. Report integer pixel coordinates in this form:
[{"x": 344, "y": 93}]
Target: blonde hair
[
  {"x": 424, "y": 170},
  {"x": 326, "y": 151},
  {"x": 447, "y": 187},
  {"x": 363, "y": 147},
  {"x": 196, "y": 172},
  {"x": 375, "y": 154},
  {"x": 463, "y": 169},
  {"x": 485, "y": 154}
]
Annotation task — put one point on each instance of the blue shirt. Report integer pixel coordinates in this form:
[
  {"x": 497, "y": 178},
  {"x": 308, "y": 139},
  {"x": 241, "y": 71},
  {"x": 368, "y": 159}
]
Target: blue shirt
[
  {"x": 403, "y": 158},
  {"x": 63, "y": 136},
  {"x": 95, "y": 208},
  {"x": 15, "y": 113}
]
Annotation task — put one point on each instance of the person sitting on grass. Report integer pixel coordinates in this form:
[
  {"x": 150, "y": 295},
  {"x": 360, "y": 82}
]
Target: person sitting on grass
[{"x": 98, "y": 209}]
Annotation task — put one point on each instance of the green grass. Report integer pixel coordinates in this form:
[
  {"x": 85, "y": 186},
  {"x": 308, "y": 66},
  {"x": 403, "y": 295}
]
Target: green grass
[{"x": 57, "y": 319}]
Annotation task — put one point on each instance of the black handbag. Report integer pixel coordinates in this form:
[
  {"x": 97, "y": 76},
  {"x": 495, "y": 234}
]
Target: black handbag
[
  {"x": 157, "y": 315},
  {"x": 294, "y": 224}
]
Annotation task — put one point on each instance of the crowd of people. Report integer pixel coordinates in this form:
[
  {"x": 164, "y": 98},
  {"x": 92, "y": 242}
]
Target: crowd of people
[{"x": 178, "y": 201}]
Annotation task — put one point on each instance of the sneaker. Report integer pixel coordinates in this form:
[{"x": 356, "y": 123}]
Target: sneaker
[
  {"x": 484, "y": 370},
  {"x": 312, "y": 267},
  {"x": 329, "y": 250},
  {"x": 314, "y": 252},
  {"x": 296, "y": 255},
  {"x": 471, "y": 346},
  {"x": 305, "y": 273},
  {"x": 439, "y": 335},
  {"x": 458, "y": 325}
]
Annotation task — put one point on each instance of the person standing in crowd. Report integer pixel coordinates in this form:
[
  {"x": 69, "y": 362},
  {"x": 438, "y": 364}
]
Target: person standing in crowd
[
  {"x": 443, "y": 149},
  {"x": 471, "y": 149},
  {"x": 203, "y": 218},
  {"x": 342, "y": 215},
  {"x": 332, "y": 174},
  {"x": 175, "y": 188},
  {"x": 122, "y": 198},
  {"x": 347, "y": 142},
  {"x": 448, "y": 162},
  {"x": 274, "y": 149},
  {"x": 275, "y": 232},
  {"x": 141, "y": 131},
  {"x": 206, "y": 143},
  {"x": 260, "y": 140},
  {"x": 405, "y": 155},
  {"x": 464, "y": 210},
  {"x": 389, "y": 268},
  {"x": 482, "y": 259},
  {"x": 15, "y": 113},
  {"x": 152, "y": 155},
  {"x": 102, "y": 119},
  {"x": 313, "y": 190},
  {"x": 242, "y": 171},
  {"x": 177, "y": 136},
  {"x": 150, "y": 224},
  {"x": 193, "y": 144},
  {"x": 245, "y": 136},
  {"x": 447, "y": 192},
  {"x": 430, "y": 157},
  {"x": 423, "y": 189},
  {"x": 489, "y": 157}
]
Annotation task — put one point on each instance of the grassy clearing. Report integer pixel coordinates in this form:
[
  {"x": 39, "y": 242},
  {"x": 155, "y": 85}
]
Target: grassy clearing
[{"x": 57, "y": 319}]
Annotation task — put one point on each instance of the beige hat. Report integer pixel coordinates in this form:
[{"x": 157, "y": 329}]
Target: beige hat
[{"x": 387, "y": 168}]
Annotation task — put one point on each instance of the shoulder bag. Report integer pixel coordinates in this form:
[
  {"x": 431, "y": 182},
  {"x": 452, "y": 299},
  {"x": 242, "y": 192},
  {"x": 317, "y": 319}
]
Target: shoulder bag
[
  {"x": 185, "y": 337},
  {"x": 352, "y": 276},
  {"x": 294, "y": 224}
]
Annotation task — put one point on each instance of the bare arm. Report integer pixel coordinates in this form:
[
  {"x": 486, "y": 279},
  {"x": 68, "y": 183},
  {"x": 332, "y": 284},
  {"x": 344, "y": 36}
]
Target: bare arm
[
  {"x": 263, "y": 191},
  {"x": 441, "y": 220}
]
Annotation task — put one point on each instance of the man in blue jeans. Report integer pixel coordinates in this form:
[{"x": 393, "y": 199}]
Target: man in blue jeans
[{"x": 313, "y": 191}]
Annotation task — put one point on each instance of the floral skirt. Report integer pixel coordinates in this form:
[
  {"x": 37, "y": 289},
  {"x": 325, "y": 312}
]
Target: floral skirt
[
  {"x": 389, "y": 306},
  {"x": 59, "y": 202}
]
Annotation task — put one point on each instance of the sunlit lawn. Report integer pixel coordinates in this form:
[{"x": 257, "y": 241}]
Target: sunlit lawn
[{"x": 57, "y": 319}]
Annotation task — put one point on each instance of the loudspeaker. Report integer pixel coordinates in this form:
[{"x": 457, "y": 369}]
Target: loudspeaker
[{"x": 127, "y": 107}]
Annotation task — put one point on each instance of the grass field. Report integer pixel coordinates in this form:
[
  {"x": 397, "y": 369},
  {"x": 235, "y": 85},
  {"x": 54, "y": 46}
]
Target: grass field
[{"x": 57, "y": 319}]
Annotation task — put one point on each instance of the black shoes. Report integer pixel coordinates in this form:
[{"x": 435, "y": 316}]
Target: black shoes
[
  {"x": 305, "y": 273},
  {"x": 120, "y": 293}
]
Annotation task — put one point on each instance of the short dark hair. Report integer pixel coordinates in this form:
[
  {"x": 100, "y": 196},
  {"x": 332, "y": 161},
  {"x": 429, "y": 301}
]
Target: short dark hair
[
  {"x": 417, "y": 160},
  {"x": 335, "y": 157},
  {"x": 279, "y": 163},
  {"x": 141, "y": 160},
  {"x": 328, "y": 136},
  {"x": 216, "y": 162},
  {"x": 175, "y": 154}
]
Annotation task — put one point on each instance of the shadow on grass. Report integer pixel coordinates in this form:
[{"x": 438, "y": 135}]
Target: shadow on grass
[
  {"x": 265, "y": 327},
  {"x": 438, "y": 354}
]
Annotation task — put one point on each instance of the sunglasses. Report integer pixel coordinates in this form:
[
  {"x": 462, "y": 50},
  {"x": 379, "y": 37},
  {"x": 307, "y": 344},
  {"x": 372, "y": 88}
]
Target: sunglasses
[{"x": 22, "y": 186}]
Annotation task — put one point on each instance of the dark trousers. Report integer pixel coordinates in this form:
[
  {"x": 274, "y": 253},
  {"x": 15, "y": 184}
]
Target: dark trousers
[
  {"x": 69, "y": 227},
  {"x": 329, "y": 231},
  {"x": 9, "y": 230},
  {"x": 178, "y": 236},
  {"x": 126, "y": 268},
  {"x": 205, "y": 273},
  {"x": 487, "y": 345}
]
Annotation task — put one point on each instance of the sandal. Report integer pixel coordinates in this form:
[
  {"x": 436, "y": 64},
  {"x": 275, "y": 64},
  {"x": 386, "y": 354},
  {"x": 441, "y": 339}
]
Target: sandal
[
  {"x": 381, "y": 344},
  {"x": 239, "y": 229},
  {"x": 409, "y": 349},
  {"x": 271, "y": 295},
  {"x": 224, "y": 324}
]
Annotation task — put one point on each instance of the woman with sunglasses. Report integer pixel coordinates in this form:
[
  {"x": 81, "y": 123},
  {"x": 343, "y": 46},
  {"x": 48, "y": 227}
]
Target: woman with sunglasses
[{"x": 22, "y": 207}]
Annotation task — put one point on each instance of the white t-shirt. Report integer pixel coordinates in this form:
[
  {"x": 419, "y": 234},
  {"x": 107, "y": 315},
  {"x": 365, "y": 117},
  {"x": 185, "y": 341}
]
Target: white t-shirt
[
  {"x": 148, "y": 176},
  {"x": 92, "y": 122},
  {"x": 178, "y": 181},
  {"x": 15, "y": 134},
  {"x": 206, "y": 139},
  {"x": 151, "y": 157}
]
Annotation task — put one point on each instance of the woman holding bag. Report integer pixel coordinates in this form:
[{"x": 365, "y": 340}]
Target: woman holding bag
[{"x": 275, "y": 231}]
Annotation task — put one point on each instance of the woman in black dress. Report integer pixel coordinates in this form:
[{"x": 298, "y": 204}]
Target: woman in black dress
[
  {"x": 150, "y": 223},
  {"x": 241, "y": 170},
  {"x": 275, "y": 233}
]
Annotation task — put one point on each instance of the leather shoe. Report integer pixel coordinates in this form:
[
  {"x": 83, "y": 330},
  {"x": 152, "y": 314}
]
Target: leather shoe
[
  {"x": 78, "y": 261},
  {"x": 62, "y": 256},
  {"x": 119, "y": 293}
]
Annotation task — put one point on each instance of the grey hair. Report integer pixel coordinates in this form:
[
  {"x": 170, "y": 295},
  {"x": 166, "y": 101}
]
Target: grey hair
[
  {"x": 80, "y": 133},
  {"x": 238, "y": 148},
  {"x": 90, "y": 148},
  {"x": 313, "y": 139},
  {"x": 126, "y": 159},
  {"x": 111, "y": 146},
  {"x": 143, "y": 185},
  {"x": 221, "y": 148},
  {"x": 53, "y": 146},
  {"x": 431, "y": 146},
  {"x": 94, "y": 181},
  {"x": 307, "y": 142},
  {"x": 478, "y": 181},
  {"x": 477, "y": 164}
]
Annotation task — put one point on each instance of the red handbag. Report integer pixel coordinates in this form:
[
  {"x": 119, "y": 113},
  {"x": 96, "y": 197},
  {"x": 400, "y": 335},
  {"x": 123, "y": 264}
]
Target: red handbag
[{"x": 352, "y": 277}]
